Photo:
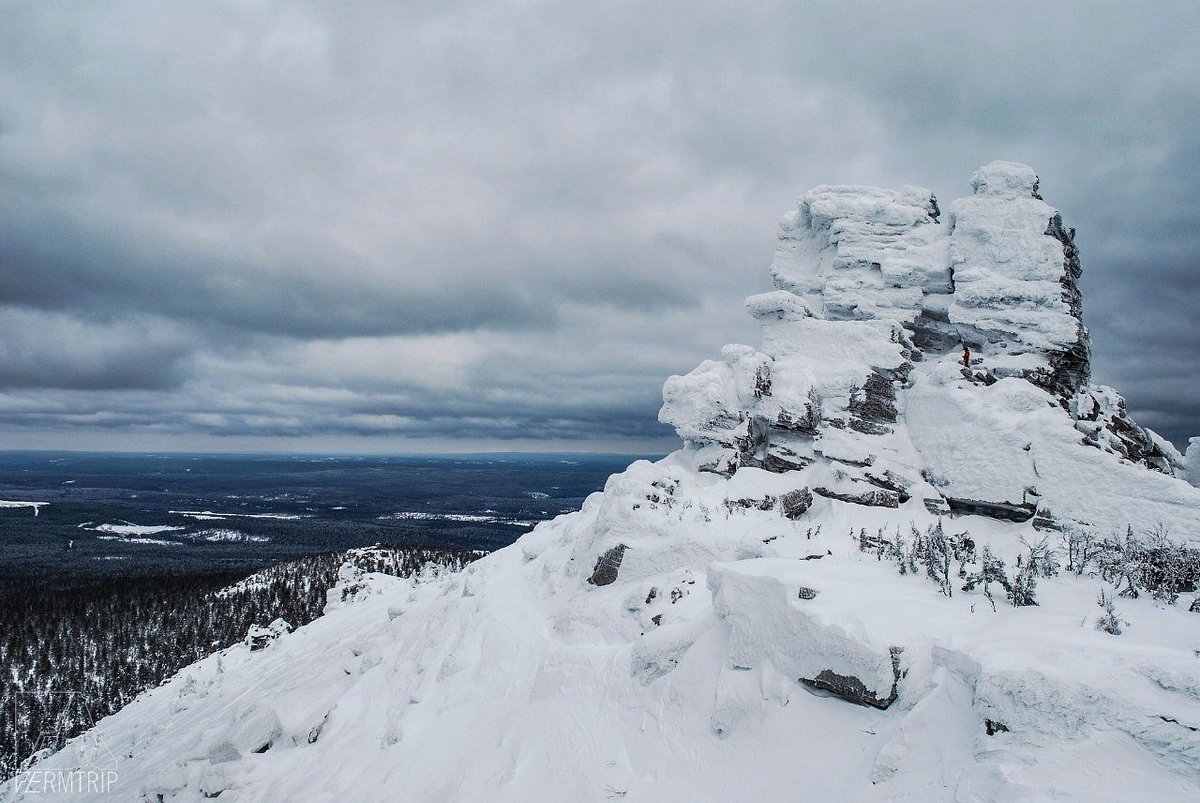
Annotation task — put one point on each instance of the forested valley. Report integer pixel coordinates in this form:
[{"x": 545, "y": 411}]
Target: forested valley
[{"x": 73, "y": 655}]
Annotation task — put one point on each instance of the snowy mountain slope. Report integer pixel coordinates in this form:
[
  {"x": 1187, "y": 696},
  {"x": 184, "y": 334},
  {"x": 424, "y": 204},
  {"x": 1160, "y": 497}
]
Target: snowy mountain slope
[{"x": 805, "y": 602}]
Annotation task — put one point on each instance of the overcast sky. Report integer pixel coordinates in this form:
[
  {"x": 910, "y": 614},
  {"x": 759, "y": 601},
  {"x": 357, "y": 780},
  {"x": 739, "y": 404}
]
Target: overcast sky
[{"x": 475, "y": 225}]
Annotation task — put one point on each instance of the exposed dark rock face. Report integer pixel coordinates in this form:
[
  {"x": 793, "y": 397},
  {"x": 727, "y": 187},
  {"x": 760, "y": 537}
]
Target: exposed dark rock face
[
  {"x": 937, "y": 506},
  {"x": 807, "y": 424},
  {"x": 762, "y": 503},
  {"x": 874, "y": 497},
  {"x": 780, "y": 459},
  {"x": 762, "y": 381},
  {"x": 752, "y": 446},
  {"x": 1071, "y": 369},
  {"x": 1101, "y": 416},
  {"x": 991, "y": 727},
  {"x": 891, "y": 481},
  {"x": 258, "y": 640},
  {"x": 853, "y": 690},
  {"x": 260, "y": 637},
  {"x": 1072, "y": 268},
  {"x": 933, "y": 332},
  {"x": 1044, "y": 520},
  {"x": 1136, "y": 444},
  {"x": 1006, "y": 511},
  {"x": 805, "y": 592},
  {"x": 607, "y": 566},
  {"x": 794, "y": 504}
]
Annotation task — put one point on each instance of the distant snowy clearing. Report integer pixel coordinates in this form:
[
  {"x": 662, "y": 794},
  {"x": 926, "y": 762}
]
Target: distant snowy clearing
[
  {"x": 136, "y": 534},
  {"x": 471, "y": 518},
  {"x": 208, "y": 515},
  {"x": 135, "y": 529},
  {"x": 227, "y": 536},
  {"x": 35, "y": 505}
]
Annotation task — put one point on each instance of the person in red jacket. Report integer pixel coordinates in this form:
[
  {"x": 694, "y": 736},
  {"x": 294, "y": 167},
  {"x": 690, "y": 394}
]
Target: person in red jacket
[{"x": 966, "y": 355}]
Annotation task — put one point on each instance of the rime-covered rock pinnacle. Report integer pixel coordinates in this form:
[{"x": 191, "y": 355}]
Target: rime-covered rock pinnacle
[{"x": 914, "y": 351}]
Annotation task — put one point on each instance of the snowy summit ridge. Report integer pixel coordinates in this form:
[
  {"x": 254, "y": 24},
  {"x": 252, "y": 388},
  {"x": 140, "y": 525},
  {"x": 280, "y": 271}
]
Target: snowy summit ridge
[{"x": 870, "y": 574}]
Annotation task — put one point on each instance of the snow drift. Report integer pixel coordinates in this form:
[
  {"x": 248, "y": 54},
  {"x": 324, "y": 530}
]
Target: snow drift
[{"x": 753, "y": 617}]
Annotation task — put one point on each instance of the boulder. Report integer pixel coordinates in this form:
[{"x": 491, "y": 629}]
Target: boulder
[
  {"x": 607, "y": 566},
  {"x": 853, "y": 690},
  {"x": 794, "y": 504},
  {"x": 871, "y": 497},
  {"x": 775, "y": 615}
]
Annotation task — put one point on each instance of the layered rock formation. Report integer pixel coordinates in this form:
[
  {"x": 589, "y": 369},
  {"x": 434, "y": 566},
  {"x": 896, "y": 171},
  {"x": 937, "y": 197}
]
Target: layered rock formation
[
  {"x": 909, "y": 351},
  {"x": 999, "y": 275}
]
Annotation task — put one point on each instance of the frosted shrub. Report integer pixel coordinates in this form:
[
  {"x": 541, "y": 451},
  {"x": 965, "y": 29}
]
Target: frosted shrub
[
  {"x": 1080, "y": 547},
  {"x": 898, "y": 551},
  {"x": 1042, "y": 558},
  {"x": 1168, "y": 567},
  {"x": 991, "y": 570},
  {"x": 1022, "y": 590},
  {"x": 936, "y": 553},
  {"x": 1109, "y": 622},
  {"x": 1147, "y": 563},
  {"x": 811, "y": 421}
]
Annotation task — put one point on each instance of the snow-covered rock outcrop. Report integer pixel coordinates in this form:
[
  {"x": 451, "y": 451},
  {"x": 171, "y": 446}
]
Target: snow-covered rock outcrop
[
  {"x": 1193, "y": 462},
  {"x": 946, "y": 359},
  {"x": 753, "y": 617},
  {"x": 999, "y": 276}
]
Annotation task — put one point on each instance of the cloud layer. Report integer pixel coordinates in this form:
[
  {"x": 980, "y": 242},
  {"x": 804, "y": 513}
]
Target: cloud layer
[{"x": 255, "y": 225}]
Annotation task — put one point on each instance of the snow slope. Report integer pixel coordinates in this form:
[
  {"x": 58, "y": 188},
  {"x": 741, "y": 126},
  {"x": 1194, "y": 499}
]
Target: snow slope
[{"x": 717, "y": 625}]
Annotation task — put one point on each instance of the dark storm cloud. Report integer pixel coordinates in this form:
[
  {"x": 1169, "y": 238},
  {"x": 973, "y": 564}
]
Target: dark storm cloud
[
  {"x": 102, "y": 355},
  {"x": 487, "y": 221},
  {"x": 68, "y": 267}
]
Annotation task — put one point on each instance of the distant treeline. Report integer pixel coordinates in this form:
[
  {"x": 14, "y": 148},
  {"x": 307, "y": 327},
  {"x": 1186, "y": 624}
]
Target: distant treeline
[{"x": 70, "y": 656}]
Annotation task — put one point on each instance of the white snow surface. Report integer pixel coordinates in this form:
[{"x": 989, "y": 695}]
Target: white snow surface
[
  {"x": 517, "y": 680},
  {"x": 473, "y": 518},
  {"x": 208, "y": 515},
  {"x": 226, "y": 535},
  {"x": 127, "y": 528},
  {"x": 689, "y": 677},
  {"x": 37, "y": 506}
]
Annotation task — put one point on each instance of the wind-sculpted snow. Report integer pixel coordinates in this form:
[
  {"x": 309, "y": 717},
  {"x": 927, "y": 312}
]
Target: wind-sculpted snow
[
  {"x": 999, "y": 274},
  {"x": 753, "y": 617}
]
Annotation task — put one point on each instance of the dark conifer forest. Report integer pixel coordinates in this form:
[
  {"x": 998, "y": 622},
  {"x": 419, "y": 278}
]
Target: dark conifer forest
[{"x": 72, "y": 655}]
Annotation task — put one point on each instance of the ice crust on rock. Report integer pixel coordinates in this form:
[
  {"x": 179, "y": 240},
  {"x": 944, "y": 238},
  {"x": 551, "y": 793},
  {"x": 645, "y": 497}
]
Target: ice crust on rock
[
  {"x": 700, "y": 629},
  {"x": 998, "y": 275},
  {"x": 1193, "y": 461}
]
